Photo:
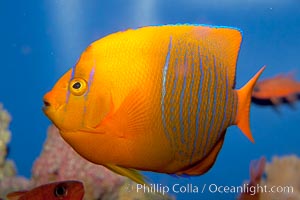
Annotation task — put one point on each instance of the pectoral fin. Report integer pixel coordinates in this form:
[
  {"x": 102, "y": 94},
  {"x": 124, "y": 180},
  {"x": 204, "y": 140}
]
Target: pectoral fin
[{"x": 131, "y": 117}]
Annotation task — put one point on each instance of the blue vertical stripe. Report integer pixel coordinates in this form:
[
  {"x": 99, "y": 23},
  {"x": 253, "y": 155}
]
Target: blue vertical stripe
[
  {"x": 163, "y": 92},
  {"x": 191, "y": 99},
  {"x": 90, "y": 82},
  {"x": 172, "y": 99},
  {"x": 214, "y": 107},
  {"x": 68, "y": 90},
  {"x": 205, "y": 131},
  {"x": 198, "y": 105},
  {"x": 225, "y": 103},
  {"x": 181, "y": 100},
  {"x": 234, "y": 108}
]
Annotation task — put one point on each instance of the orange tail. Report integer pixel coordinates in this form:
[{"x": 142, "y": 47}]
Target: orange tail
[{"x": 244, "y": 101}]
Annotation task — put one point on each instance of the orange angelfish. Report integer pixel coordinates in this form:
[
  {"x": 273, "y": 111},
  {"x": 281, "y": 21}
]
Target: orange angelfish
[
  {"x": 63, "y": 190},
  {"x": 157, "y": 98}
]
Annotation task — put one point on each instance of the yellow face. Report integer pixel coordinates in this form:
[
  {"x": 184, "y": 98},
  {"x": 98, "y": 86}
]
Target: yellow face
[
  {"x": 78, "y": 101},
  {"x": 59, "y": 103}
]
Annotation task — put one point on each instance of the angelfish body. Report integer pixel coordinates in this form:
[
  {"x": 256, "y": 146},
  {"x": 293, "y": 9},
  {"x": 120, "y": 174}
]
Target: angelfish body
[{"x": 156, "y": 98}]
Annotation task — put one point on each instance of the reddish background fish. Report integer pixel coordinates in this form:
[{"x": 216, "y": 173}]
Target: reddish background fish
[
  {"x": 63, "y": 190},
  {"x": 277, "y": 89}
]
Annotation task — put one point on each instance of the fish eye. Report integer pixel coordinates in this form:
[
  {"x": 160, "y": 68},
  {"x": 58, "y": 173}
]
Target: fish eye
[
  {"x": 60, "y": 190},
  {"x": 78, "y": 86}
]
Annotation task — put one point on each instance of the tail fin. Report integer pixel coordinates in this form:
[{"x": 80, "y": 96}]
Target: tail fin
[{"x": 244, "y": 101}]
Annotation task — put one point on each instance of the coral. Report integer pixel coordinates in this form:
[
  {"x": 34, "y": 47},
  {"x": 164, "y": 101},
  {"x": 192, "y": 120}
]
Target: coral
[
  {"x": 8, "y": 180},
  {"x": 283, "y": 173},
  {"x": 4, "y": 136},
  {"x": 13, "y": 183},
  {"x": 281, "y": 180}
]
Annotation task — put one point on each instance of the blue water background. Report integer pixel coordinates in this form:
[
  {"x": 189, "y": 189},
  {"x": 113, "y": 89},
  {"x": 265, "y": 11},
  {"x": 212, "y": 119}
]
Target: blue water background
[{"x": 40, "y": 40}]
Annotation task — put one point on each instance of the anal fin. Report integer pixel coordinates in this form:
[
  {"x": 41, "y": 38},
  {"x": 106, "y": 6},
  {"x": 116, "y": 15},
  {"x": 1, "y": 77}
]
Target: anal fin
[
  {"x": 205, "y": 164},
  {"x": 133, "y": 174}
]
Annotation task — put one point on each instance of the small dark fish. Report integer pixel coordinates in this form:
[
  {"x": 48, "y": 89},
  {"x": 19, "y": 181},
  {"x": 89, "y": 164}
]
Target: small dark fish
[{"x": 63, "y": 190}]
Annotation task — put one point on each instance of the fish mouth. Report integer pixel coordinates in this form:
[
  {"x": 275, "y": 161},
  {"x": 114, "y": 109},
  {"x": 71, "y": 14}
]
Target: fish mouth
[{"x": 46, "y": 105}]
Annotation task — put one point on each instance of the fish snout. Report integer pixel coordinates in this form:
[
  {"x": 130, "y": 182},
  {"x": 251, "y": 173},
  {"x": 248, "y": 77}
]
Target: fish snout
[{"x": 46, "y": 101}]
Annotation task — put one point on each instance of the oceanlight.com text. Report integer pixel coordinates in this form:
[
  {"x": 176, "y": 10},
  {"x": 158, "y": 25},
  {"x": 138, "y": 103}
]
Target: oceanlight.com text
[
  {"x": 210, "y": 188},
  {"x": 249, "y": 189}
]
